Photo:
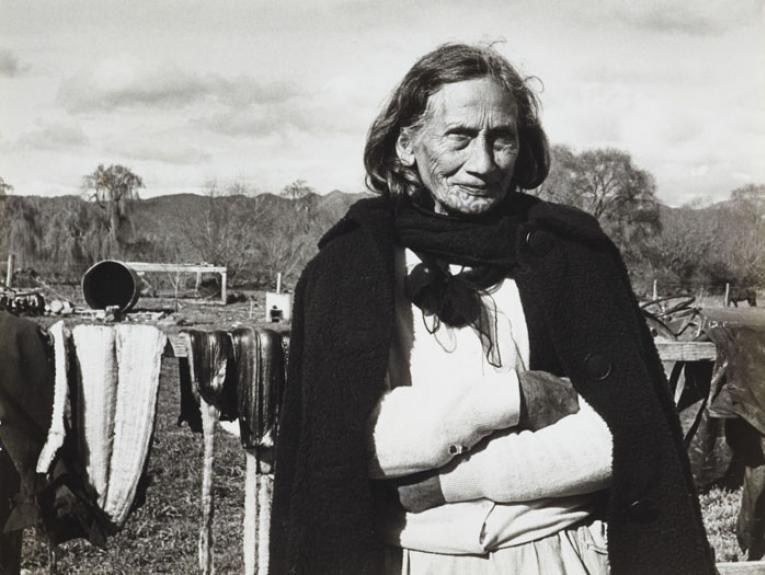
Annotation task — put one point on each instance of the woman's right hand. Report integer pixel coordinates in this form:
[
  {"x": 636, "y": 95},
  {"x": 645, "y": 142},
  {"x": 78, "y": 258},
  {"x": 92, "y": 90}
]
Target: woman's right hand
[{"x": 545, "y": 399}]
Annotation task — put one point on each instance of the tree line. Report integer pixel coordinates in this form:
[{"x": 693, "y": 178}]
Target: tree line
[
  {"x": 256, "y": 236},
  {"x": 684, "y": 249}
]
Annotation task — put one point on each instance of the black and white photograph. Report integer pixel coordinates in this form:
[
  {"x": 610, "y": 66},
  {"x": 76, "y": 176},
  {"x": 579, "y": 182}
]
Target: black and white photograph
[{"x": 412, "y": 287}]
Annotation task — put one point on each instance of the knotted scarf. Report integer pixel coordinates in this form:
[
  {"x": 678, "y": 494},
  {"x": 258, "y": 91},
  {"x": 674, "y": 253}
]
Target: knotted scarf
[{"x": 484, "y": 246}]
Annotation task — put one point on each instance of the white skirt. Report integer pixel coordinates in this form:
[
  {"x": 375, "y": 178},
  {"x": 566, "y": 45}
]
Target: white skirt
[{"x": 575, "y": 551}]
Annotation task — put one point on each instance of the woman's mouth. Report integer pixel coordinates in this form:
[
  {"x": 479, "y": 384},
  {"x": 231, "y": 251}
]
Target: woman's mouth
[{"x": 482, "y": 190}]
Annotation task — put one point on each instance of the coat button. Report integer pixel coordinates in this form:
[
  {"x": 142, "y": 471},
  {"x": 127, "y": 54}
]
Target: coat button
[
  {"x": 540, "y": 242},
  {"x": 597, "y": 366},
  {"x": 642, "y": 510}
]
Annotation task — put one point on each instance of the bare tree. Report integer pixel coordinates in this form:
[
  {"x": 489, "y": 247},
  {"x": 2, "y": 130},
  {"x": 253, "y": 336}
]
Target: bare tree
[
  {"x": 24, "y": 231},
  {"x": 223, "y": 233},
  {"x": 744, "y": 245},
  {"x": 682, "y": 256},
  {"x": 558, "y": 186},
  {"x": 288, "y": 240},
  {"x": 297, "y": 190},
  {"x": 76, "y": 236},
  {"x": 605, "y": 183},
  {"x": 5, "y": 188},
  {"x": 114, "y": 188},
  {"x": 711, "y": 245},
  {"x": 749, "y": 201}
]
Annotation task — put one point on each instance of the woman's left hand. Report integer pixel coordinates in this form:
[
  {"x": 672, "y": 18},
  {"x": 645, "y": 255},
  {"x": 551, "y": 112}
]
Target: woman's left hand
[{"x": 419, "y": 491}]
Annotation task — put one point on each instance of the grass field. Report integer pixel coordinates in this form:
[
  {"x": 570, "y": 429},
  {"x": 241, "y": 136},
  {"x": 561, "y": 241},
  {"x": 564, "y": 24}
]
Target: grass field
[{"x": 720, "y": 508}]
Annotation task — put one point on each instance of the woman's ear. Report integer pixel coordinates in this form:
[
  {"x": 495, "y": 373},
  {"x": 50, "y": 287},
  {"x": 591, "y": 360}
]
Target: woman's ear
[{"x": 405, "y": 147}]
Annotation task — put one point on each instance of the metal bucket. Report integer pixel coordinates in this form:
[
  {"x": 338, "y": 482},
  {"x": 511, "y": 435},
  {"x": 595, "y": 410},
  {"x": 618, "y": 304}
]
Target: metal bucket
[{"x": 109, "y": 283}]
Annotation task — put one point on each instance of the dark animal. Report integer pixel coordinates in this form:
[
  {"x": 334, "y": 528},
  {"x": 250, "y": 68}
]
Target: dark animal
[{"x": 736, "y": 295}]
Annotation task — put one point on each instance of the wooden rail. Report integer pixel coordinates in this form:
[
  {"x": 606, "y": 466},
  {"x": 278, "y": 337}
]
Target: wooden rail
[
  {"x": 198, "y": 269},
  {"x": 686, "y": 350},
  {"x": 668, "y": 350},
  {"x": 742, "y": 568}
]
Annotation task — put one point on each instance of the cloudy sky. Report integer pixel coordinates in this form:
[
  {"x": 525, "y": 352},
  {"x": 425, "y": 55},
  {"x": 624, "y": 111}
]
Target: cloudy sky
[{"x": 269, "y": 91}]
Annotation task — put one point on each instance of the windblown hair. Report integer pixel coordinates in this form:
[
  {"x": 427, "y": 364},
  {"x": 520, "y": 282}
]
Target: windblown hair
[{"x": 407, "y": 106}]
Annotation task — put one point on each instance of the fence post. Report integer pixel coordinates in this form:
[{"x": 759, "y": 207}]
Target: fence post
[
  {"x": 223, "y": 287},
  {"x": 9, "y": 270},
  {"x": 727, "y": 294},
  {"x": 655, "y": 290}
]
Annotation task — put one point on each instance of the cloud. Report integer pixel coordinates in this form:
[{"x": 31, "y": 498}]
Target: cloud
[
  {"x": 258, "y": 122},
  {"x": 122, "y": 84},
  {"x": 157, "y": 149},
  {"x": 53, "y": 136},
  {"x": 699, "y": 18},
  {"x": 671, "y": 20},
  {"x": 9, "y": 64},
  {"x": 340, "y": 106},
  {"x": 280, "y": 119}
]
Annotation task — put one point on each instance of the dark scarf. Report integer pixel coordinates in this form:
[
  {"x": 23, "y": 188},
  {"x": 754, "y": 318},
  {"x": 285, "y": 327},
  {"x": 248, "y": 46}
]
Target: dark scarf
[{"x": 485, "y": 244}]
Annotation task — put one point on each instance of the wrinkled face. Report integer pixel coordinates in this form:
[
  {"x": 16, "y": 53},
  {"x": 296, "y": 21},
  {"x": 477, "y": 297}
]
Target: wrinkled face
[{"x": 465, "y": 151}]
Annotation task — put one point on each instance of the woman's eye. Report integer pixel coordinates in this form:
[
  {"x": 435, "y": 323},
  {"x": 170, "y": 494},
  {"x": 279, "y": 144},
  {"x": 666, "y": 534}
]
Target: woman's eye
[
  {"x": 457, "y": 139},
  {"x": 505, "y": 142}
]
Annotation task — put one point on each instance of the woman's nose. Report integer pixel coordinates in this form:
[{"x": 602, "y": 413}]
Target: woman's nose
[{"x": 480, "y": 160}]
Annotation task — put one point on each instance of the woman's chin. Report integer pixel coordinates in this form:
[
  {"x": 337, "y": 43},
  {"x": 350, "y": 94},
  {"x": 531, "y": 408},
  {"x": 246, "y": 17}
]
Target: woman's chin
[{"x": 470, "y": 205}]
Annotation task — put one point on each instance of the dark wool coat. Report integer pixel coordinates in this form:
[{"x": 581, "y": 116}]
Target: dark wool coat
[
  {"x": 583, "y": 322},
  {"x": 59, "y": 502}
]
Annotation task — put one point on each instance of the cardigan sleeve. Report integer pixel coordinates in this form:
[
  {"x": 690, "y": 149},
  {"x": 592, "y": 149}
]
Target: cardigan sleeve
[
  {"x": 570, "y": 457},
  {"x": 415, "y": 429}
]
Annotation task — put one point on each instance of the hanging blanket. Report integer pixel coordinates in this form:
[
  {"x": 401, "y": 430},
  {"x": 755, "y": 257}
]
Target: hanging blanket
[
  {"x": 229, "y": 375},
  {"x": 110, "y": 393},
  {"x": 213, "y": 387}
]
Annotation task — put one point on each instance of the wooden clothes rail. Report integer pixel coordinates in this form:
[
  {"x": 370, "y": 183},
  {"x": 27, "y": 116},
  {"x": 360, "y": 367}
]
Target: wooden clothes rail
[
  {"x": 668, "y": 350},
  {"x": 686, "y": 350},
  {"x": 198, "y": 269}
]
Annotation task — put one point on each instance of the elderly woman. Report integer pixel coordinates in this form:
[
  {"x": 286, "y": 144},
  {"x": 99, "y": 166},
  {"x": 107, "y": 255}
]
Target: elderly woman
[{"x": 429, "y": 421}]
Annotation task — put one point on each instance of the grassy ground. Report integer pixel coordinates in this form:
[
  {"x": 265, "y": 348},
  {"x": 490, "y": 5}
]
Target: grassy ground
[{"x": 720, "y": 508}]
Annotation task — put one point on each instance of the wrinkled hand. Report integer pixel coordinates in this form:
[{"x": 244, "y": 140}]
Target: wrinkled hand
[
  {"x": 419, "y": 491},
  {"x": 545, "y": 398}
]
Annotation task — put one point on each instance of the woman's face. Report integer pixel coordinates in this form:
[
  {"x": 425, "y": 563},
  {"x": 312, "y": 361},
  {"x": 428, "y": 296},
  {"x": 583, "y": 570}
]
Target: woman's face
[{"x": 465, "y": 151}]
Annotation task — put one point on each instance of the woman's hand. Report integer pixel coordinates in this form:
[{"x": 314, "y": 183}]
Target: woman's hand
[
  {"x": 545, "y": 398},
  {"x": 420, "y": 491}
]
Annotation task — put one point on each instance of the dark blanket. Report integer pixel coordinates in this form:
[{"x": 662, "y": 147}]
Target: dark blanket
[
  {"x": 741, "y": 341},
  {"x": 26, "y": 396},
  {"x": 58, "y": 502},
  {"x": 10, "y": 543}
]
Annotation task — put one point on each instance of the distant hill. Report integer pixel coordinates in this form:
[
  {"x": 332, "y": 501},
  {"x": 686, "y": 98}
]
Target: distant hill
[{"x": 175, "y": 212}]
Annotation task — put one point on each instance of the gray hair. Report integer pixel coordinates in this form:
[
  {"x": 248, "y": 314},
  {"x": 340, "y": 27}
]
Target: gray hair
[{"x": 407, "y": 106}]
